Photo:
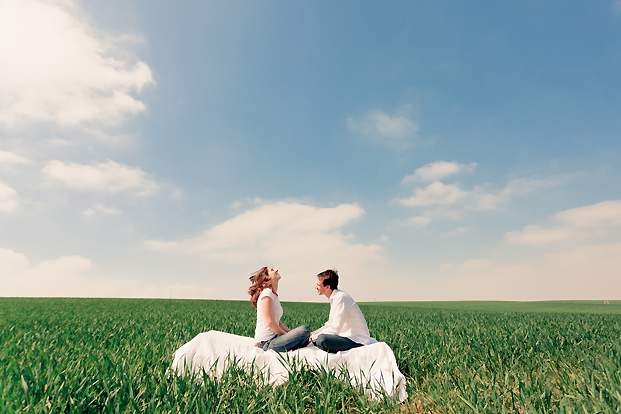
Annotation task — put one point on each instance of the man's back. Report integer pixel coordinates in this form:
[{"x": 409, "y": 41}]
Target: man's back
[{"x": 346, "y": 319}]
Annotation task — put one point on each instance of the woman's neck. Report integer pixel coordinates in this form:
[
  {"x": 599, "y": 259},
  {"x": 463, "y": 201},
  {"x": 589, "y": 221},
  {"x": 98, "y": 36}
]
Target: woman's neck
[{"x": 275, "y": 287}]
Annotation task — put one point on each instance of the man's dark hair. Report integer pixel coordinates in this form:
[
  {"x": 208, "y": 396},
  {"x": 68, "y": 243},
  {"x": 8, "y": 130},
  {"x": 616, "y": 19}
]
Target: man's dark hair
[{"x": 329, "y": 278}]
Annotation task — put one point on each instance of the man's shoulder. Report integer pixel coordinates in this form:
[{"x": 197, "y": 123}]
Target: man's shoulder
[{"x": 342, "y": 295}]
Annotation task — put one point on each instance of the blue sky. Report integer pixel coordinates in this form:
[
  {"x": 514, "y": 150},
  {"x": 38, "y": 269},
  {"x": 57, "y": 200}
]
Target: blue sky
[{"x": 427, "y": 150}]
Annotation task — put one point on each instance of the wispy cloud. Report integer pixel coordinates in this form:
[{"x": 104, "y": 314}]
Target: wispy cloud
[
  {"x": 437, "y": 171},
  {"x": 575, "y": 224},
  {"x": 58, "y": 69},
  {"x": 576, "y": 256},
  {"x": 9, "y": 200},
  {"x": 468, "y": 265},
  {"x": 283, "y": 230},
  {"x": 459, "y": 230},
  {"x": 99, "y": 209},
  {"x": 15, "y": 267},
  {"x": 440, "y": 200},
  {"x": 417, "y": 221},
  {"x": 8, "y": 159},
  {"x": 300, "y": 239},
  {"x": 438, "y": 193},
  {"x": 72, "y": 276},
  {"x": 435, "y": 193},
  {"x": 580, "y": 272},
  {"x": 396, "y": 131},
  {"x": 607, "y": 213},
  {"x": 107, "y": 177}
]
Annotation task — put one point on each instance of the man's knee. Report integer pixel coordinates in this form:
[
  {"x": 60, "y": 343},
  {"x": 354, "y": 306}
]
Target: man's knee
[{"x": 322, "y": 342}]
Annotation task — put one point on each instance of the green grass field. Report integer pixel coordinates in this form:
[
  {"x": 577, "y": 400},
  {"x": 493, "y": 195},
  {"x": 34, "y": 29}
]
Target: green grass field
[{"x": 111, "y": 356}]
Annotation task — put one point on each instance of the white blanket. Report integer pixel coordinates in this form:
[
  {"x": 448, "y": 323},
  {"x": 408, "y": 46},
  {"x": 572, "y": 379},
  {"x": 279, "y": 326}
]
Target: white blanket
[{"x": 372, "y": 367}]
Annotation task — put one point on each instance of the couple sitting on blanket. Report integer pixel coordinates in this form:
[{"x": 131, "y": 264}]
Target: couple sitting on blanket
[{"x": 346, "y": 327}]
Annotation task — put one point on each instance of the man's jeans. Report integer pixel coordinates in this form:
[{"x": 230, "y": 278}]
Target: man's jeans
[
  {"x": 294, "y": 339},
  {"x": 335, "y": 343}
]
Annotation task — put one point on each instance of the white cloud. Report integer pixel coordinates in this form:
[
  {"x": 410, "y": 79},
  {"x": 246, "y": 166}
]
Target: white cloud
[
  {"x": 108, "y": 177},
  {"x": 478, "y": 199},
  {"x": 469, "y": 265},
  {"x": 438, "y": 170},
  {"x": 417, "y": 221},
  {"x": 475, "y": 264},
  {"x": 301, "y": 240},
  {"x": 58, "y": 69},
  {"x": 435, "y": 193},
  {"x": 606, "y": 213},
  {"x": 275, "y": 230},
  {"x": 584, "y": 272},
  {"x": 583, "y": 257},
  {"x": 448, "y": 266},
  {"x": 575, "y": 224},
  {"x": 578, "y": 256},
  {"x": 12, "y": 262},
  {"x": 521, "y": 186},
  {"x": 457, "y": 231},
  {"x": 396, "y": 131},
  {"x": 537, "y": 235},
  {"x": 100, "y": 209},
  {"x": 72, "y": 276},
  {"x": 8, "y": 159},
  {"x": 20, "y": 278},
  {"x": 9, "y": 200}
]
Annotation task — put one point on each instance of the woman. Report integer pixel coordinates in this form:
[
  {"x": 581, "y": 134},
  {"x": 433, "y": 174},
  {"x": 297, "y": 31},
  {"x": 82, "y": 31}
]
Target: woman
[{"x": 270, "y": 332}]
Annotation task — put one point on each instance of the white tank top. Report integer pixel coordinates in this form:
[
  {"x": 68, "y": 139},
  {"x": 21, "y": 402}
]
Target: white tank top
[{"x": 262, "y": 332}]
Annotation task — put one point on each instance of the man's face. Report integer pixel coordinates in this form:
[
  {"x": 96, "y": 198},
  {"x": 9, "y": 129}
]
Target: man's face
[{"x": 321, "y": 289}]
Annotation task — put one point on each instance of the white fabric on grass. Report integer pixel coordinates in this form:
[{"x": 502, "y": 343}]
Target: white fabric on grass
[{"x": 372, "y": 367}]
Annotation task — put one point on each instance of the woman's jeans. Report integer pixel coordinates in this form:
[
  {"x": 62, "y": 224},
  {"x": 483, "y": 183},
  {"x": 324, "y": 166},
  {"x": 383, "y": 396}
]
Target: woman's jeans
[
  {"x": 294, "y": 339},
  {"x": 335, "y": 343}
]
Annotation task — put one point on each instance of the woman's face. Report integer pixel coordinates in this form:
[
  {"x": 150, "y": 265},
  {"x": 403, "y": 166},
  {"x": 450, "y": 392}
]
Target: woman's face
[{"x": 273, "y": 274}]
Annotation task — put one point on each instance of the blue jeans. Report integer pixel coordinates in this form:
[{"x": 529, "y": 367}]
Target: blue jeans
[
  {"x": 334, "y": 343},
  {"x": 294, "y": 339}
]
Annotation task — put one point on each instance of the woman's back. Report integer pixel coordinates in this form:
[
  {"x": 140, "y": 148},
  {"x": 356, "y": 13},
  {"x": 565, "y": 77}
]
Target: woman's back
[{"x": 262, "y": 332}]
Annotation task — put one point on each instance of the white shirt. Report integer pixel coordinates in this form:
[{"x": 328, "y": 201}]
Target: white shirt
[
  {"x": 346, "y": 319},
  {"x": 262, "y": 331}
]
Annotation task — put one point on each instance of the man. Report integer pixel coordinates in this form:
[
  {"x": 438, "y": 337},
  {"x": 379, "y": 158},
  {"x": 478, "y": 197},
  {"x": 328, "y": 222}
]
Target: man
[{"x": 346, "y": 327}]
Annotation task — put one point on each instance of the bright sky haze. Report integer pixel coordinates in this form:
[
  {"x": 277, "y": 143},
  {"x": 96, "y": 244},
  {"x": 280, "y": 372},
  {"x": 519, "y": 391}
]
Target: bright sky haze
[{"x": 438, "y": 150}]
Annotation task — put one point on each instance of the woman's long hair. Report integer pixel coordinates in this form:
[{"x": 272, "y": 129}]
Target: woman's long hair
[{"x": 260, "y": 280}]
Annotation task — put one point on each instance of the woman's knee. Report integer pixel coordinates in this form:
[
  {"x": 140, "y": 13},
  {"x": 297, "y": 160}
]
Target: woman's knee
[{"x": 302, "y": 330}]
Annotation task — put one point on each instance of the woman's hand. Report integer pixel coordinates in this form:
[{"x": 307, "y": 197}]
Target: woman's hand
[{"x": 283, "y": 327}]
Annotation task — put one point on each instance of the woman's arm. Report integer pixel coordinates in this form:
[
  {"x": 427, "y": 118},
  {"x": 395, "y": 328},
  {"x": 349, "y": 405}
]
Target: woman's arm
[
  {"x": 284, "y": 327},
  {"x": 267, "y": 309}
]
